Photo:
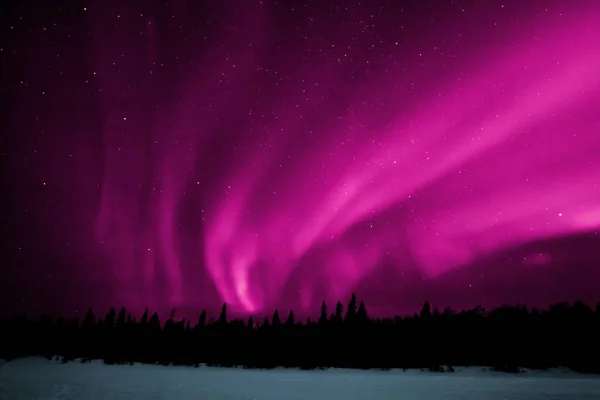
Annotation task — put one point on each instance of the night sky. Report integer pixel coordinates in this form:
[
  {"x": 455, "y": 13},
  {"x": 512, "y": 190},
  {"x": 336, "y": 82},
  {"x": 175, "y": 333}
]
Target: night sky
[{"x": 275, "y": 154}]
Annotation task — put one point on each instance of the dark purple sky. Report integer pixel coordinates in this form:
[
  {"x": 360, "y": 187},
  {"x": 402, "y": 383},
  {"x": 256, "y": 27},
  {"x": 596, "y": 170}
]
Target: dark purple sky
[{"x": 280, "y": 153}]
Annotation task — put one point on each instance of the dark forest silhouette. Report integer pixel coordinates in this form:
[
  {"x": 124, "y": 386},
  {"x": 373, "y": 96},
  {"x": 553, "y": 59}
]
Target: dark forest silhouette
[{"x": 506, "y": 338}]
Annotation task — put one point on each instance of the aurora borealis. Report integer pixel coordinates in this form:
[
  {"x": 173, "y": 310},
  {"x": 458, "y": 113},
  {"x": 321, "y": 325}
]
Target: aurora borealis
[{"x": 279, "y": 153}]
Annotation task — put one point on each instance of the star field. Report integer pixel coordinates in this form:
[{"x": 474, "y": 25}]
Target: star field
[{"x": 278, "y": 154}]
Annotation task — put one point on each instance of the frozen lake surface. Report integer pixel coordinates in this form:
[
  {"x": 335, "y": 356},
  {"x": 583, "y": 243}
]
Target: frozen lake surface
[{"x": 35, "y": 378}]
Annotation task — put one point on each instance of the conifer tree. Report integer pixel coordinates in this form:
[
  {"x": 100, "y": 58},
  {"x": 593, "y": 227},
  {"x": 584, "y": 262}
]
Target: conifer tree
[
  {"x": 290, "y": 320},
  {"x": 265, "y": 324},
  {"x": 361, "y": 315},
  {"x": 109, "y": 320},
  {"x": 323, "y": 317},
  {"x": 339, "y": 312},
  {"x": 89, "y": 320},
  {"x": 426, "y": 310},
  {"x": 351, "y": 313},
  {"x": 154, "y": 322},
  {"x": 276, "y": 321},
  {"x": 201, "y": 320},
  {"x": 121, "y": 319},
  {"x": 223, "y": 316}
]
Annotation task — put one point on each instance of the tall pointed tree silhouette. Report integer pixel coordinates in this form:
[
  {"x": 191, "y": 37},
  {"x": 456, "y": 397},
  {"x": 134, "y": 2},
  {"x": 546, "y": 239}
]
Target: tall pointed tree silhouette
[
  {"x": 201, "y": 320},
  {"x": 223, "y": 316},
  {"x": 426, "y": 310},
  {"x": 109, "y": 320},
  {"x": 339, "y": 313},
  {"x": 154, "y": 323},
  {"x": 121, "y": 318},
  {"x": 362, "y": 316},
  {"x": 89, "y": 320},
  {"x": 144, "y": 320},
  {"x": 351, "y": 313},
  {"x": 323, "y": 318},
  {"x": 265, "y": 324},
  {"x": 276, "y": 321},
  {"x": 289, "y": 323}
]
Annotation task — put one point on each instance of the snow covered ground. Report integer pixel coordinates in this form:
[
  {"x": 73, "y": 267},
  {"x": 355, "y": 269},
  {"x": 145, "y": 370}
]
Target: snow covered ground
[{"x": 35, "y": 378}]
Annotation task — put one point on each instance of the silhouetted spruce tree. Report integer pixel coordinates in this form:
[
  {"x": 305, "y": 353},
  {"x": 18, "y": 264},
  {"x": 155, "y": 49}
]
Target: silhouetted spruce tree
[
  {"x": 276, "y": 321},
  {"x": 201, "y": 320},
  {"x": 351, "y": 313},
  {"x": 289, "y": 323},
  {"x": 144, "y": 320},
  {"x": 426, "y": 310},
  {"x": 323, "y": 317},
  {"x": 169, "y": 323},
  {"x": 223, "y": 316},
  {"x": 121, "y": 318},
  {"x": 265, "y": 324},
  {"x": 581, "y": 309},
  {"x": 250, "y": 323},
  {"x": 339, "y": 312},
  {"x": 109, "y": 320},
  {"x": 154, "y": 323},
  {"x": 362, "y": 316},
  {"x": 88, "y": 321}
]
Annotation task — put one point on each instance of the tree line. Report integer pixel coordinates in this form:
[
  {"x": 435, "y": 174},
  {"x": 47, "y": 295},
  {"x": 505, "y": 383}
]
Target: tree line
[{"x": 506, "y": 338}]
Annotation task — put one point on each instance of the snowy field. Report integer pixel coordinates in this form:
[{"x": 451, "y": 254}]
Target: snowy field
[{"x": 35, "y": 378}]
